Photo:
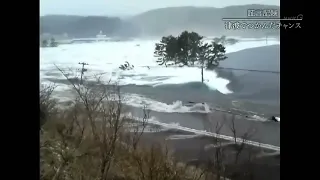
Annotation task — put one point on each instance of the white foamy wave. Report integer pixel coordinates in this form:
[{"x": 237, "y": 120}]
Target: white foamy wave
[
  {"x": 63, "y": 93},
  {"x": 153, "y": 76},
  {"x": 156, "y": 76},
  {"x": 139, "y": 101},
  {"x": 153, "y": 120},
  {"x": 106, "y": 57},
  {"x": 257, "y": 118}
]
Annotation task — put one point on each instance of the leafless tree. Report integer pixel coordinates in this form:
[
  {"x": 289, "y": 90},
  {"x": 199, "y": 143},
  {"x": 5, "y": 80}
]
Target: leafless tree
[
  {"x": 218, "y": 163},
  {"x": 239, "y": 145},
  {"x": 47, "y": 104},
  {"x": 86, "y": 141}
]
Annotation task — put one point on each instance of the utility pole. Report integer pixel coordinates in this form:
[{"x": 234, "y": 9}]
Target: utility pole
[
  {"x": 202, "y": 74},
  {"x": 82, "y": 71}
]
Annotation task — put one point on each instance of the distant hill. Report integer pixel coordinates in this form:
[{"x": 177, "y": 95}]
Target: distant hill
[
  {"x": 85, "y": 26},
  {"x": 204, "y": 20}
]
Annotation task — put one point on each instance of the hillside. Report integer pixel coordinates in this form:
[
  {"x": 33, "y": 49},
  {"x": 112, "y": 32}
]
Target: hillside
[
  {"x": 85, "y": 26},
  {"x": 158, "y": 22},
  {"x": 204, "y": 20}
]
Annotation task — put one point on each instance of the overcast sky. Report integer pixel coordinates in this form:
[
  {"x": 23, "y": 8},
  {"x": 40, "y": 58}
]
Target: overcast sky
[{"x": 130, "y": 7}]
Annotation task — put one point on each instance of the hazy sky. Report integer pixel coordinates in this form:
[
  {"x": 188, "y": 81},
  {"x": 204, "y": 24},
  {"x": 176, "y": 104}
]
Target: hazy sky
[{"x": 130, "y": 7}]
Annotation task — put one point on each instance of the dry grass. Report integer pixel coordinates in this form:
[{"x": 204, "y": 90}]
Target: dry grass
[{"x": 91, "y": 140}]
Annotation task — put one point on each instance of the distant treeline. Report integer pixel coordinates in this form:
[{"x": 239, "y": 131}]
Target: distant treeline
[
  {"x": 89, "y": 26},
  {"x": 49, "y": 43}
]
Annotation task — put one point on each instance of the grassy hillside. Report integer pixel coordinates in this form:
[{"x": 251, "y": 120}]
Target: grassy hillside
[{"x": 204, "y": 20}]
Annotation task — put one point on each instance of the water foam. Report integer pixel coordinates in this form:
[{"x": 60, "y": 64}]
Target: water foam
[
  {"x": 63, "y": 93},
  {"x": 106, "y": 57},
  {"x": 140, "y": 101}
]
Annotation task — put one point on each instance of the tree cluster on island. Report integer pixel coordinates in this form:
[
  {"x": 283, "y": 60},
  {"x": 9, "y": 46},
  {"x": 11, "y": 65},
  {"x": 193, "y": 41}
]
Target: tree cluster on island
[
  {"x": 190, "y": 49},
  {"x": 51, "y": 43},
  {"x": 224, "y": 40}
]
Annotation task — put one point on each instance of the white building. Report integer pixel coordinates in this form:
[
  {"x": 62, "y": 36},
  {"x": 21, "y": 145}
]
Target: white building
[{"x": 101, "y": 35}]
